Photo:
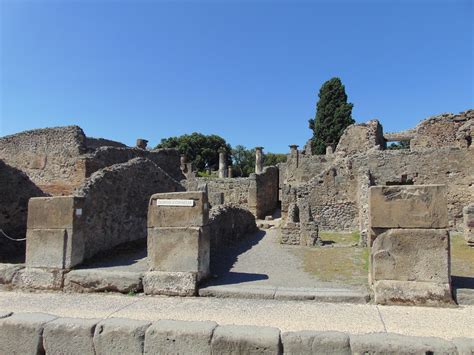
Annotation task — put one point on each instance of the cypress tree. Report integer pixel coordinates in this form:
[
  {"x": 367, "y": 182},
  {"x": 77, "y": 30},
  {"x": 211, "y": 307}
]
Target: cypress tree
[{"x": 333, "y": 115}]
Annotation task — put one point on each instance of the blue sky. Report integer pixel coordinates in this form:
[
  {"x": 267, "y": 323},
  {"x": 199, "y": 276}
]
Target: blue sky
[{"x": 249, "y": 71}]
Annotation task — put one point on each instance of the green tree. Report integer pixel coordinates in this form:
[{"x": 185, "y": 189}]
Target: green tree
[
  {"x": 333, "y": 115},
  {"x": 243, "y": 160},
  {"x": 201, "y": 150},
  {"x": 399, "y": 145},
  {"x": 271, "y": 159}
]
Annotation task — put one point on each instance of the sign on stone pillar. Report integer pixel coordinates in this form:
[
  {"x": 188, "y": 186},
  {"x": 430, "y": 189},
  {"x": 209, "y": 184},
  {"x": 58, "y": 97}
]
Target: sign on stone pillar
[
  {"x": 178, "y": 243},
  {"x": 409, "y": 245}
]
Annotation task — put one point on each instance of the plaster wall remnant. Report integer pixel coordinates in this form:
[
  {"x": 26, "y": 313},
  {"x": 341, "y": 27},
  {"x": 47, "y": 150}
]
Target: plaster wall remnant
[
  {"x": 468, "y": 213},
  {"x": 409, "y": 245},
  {"x": 258, "y": 160}
]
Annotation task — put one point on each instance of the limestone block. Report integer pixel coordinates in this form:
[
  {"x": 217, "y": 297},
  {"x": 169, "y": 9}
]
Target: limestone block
[
  {"x": 179, "y": 337},
  {"x": 468, "y": 213},
  {"x": 178, "y": 216},
  {"x": 412, "y": 293},
  {"x": 22, "y": 333},
  {"x": 170, "y": 283},
  {"x": 39, "y": 278},
  {"x": 100, "y": 281},
  {"x": 120, "y": 336},
  {"x": 390, "y": 343},
  {"x": 240, "y": 339},
  {"x": 465, "y": 346},
  {"x": 69, "y": 336},
  {"x": 416, "y": 206},
  {"x": 59, "y": 212},
  {"x": 311, "y": 342},
  {"x": 179, "y": 249},
  {"x": 411, "y": 255},
  {"x": 8, "y": 271}
]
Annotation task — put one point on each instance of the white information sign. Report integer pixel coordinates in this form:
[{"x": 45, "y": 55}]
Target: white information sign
[{"x": 177, "y": 203}]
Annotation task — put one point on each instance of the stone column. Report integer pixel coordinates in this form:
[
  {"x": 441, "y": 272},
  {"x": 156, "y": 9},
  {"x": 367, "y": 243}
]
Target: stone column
[
  {"x": 329, "y": 150},
  {"x": 258, "y": 160},
  {"x": 294, "y": 154},
  {"x": 230, "y": 172},
  {"x": 142, "y": 143},
  {"x": 222, "y": 165},
  {"x": 409, "y": 259},
  {"x": 178, "y": 243}
]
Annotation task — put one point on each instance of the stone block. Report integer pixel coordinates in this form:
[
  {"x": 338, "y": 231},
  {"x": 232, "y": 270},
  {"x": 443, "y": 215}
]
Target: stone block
[
  {"x": 179, "y": 249},
  {"x": 22, "y": 333},
  {"x": 390, "y": 343},
  {"x": 39, "y": 279},
  {"x": 120, "y": 336},
  {"x": 69, "y": 336},
  {"x": 59, "y": 212},
  {"x": 411, "y": 255},
  {"x": 54, "y": 248},
  {"x": 468, "y": 214},
  {"x": 179, "y": 216},
  {"x": 170, "y": 283},
  {"x": 416, "y": 206},
  {"x": 216, "y": 198},
  {"x": 311, "y": 342},
  {"x": 391, "y": 292},
  {"x": 465, "y": 346},
  {"x": 243, "y": 339},
  {"x": 103, "y": 281},
  {"x": 8, "y": 271},
  {"x": 179, "y": 337}
]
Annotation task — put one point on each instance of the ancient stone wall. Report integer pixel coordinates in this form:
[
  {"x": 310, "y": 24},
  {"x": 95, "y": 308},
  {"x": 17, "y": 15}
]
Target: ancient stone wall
[
  {"x": 267, "y": 191},
  {"x": 15, "y": 191},
  {"x": 116, "y": 202},
  {"x": 95, "y": 143},
  {"x": 359, "y": 138}
]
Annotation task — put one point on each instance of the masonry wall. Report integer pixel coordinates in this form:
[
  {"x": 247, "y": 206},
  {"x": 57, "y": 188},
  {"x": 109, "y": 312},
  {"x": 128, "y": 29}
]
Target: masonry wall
[
  {"x": 116, "y": 202},
  {"x": 267, "y": 191},
  {"x": 15, "y": 191}
]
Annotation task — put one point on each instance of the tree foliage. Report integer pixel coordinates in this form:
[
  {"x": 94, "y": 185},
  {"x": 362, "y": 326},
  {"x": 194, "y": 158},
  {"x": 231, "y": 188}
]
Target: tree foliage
[
  {"x": 244, "y": 160},
  {"x": 202, "y": 150},
  {"x": 333, "y": 115},
  {"x": 399, "y": 145}
]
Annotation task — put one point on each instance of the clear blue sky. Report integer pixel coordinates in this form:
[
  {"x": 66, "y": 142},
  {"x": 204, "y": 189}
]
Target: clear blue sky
[{"x": 248, "y": 71}]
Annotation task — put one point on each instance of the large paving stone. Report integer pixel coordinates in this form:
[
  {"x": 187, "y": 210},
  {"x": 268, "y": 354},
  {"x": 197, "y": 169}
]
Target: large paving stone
[
  {"x": 417, "y": 206},
  {"x": 170, "y": 283},
  {"x": 240, "y": 339},
  {"x": 389, "y": 292},
  {"x": 465, "y": 346},
  {"x": 179, "y": 337},
  {"x": 311, "y": 342},
  {"x": 389, "y": 343},
  {"x": 22, "y": 333},
  {"x": 120, "y": 336},
  {"x": 411, "y": 255},
  {"x": 39, "y": 279},
  {"x": 100, "y": 281},
  {"x": 69, "y": 336}
]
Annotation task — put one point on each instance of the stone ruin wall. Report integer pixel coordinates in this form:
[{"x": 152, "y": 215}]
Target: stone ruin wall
[
  {"x": 15, "y": 191},
  {"x": 116, "y": 202}
]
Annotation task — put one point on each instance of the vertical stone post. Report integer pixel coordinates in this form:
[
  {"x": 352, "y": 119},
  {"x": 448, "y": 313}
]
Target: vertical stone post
[
  {"x": 468, "y": 213},
  {"x": 178, "y": 243},
  {"x": 329, "y": 150},
  {"x": 294, "y": 154},
  {"x": 258, "y": 160},
  {"x": 409, "y": 245},
  {"x": 142, "y": 143},
  {"x": 222, "y": 164},
  {"x": 230, "y": 172}
]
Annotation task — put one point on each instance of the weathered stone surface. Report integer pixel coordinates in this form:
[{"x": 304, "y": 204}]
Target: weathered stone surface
[
  {"x": 60, "y": 212},
  {"x": 170, "y": 283},
  {"x": 239, "y": 339},
  {"x": 311, "y": 342},
  {"x": 179, "y": 249},
  {"x": 412, "y": 293},
  {"x": 176, "y": 216},
  {"x": 69, "y": 336},
  {"x": 465, "y": 346},
  {"x": 21, "y": 333},
  {"x": 179, "y": 337},
  {"x": 103, "y": 281},
  {"x": 468, "y": 214},
  {"x": 417, "y": 206},
  {"x": 411, "y": 255},
  {"x": 389, "y": 343},
  {"x": 120, "y": 336},
  {"x": 39, "y": 278},
  {"x": 359, "y": 138},
  {"x": 8, "y": 272}
]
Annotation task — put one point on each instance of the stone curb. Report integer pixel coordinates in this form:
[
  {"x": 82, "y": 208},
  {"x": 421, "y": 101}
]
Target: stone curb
[{"x": 35, "y": 333}]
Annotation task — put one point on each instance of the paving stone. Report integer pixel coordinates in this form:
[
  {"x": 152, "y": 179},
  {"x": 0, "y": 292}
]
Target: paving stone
[
  {"x": 240, "y": 339},
  {"x": 238, "y": 292},
  {"x": 22, "y": 333},
  {"x": 465, "y": 346},
  {"x": 312, "y": 342},
  {"x": 39, "y": 278},
  {"x": 170, "y": 283},
  {"x": 389, "y": 343},
  {"x": 100, "y": 281},
  {"x": 179, "y": 337},
  {"x": 69, "y": 336},
  {"x": 120, "y": 336}
]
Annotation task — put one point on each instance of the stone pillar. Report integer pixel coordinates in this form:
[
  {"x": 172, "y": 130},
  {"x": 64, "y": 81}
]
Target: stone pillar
[
  {"x": 329, "y": 150},
  {"x": 468, "y": 213},
  {"x": 54, "y": 237},
  {"x": 178, "y": 243},
  {"x": 409, "y": 260},
  {"x": 294, "y": 154},
  {"x": 142, "y": 143},
  {"x": 258, "y": 160},
  {"x": 222, "y": 165},
  {"x": 230, "y": 172}
]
